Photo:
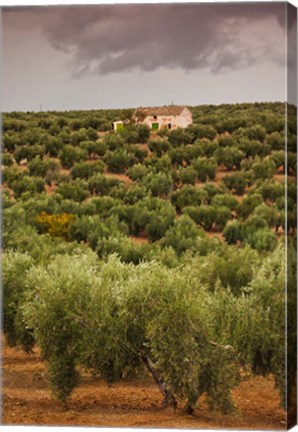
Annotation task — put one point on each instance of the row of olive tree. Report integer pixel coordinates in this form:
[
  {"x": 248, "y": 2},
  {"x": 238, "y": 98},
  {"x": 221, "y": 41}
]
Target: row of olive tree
[{"x": 185, "y": 326}]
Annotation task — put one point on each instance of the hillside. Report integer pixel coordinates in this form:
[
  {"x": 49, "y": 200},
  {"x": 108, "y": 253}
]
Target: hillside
[{"x": 140, "y": 257}]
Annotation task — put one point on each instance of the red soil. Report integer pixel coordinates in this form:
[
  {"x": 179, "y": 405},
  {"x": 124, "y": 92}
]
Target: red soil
[
  {"x": 27, "y": 400},
  {"x": 139, "y": 240},
  {"x": 122, "y": 177}
]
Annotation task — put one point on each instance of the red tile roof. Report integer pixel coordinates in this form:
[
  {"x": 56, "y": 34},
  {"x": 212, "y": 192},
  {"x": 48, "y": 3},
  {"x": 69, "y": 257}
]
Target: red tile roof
[{"x": 170, "y": 110}]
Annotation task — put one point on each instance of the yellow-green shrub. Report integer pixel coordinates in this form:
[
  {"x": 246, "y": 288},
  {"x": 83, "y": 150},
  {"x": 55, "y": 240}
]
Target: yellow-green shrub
[{"x": 56, "y": 225}]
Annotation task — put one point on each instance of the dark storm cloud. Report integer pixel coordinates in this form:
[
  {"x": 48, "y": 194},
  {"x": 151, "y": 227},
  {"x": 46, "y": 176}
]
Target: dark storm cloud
[{"x": 105, "y": 39}]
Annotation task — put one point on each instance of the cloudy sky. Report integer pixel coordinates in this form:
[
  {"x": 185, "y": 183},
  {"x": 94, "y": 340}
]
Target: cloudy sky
[{"x": 109, "y": 56}]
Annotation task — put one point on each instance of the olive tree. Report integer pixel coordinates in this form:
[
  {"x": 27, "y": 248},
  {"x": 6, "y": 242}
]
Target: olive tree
[
  {"x": 205, "y": 168},
  {"x": 15, "y": 266},
  {"x": 182, "y": 236},
  {"x": 75, "y": 190},
  {"x": 188, "y": 195},
  {"x": 69, "y": 155},
  {"x": 263, "y": 169},
  {"x": 86, "y": 170},
  {"x": 236, "y": 182},
  {"x": 39, "y": 167},
  {"x": 158, "y": 146},
  {"x": 159, "y": 184},
  {"x": 119, "y": 160},
  {"x": 187, "y": 175},
  {"x": 225, "y": 199},
  {"x": 230, "y": 157}
]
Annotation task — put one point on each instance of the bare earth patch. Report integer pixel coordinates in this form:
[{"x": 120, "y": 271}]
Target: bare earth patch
[
  {"x": 139, "y": 240},
  {"x": 282, "y": 177},
  {"x": 50, "y": 188},
  {"x": 27, "y": 400},
  {"x": 218, "y": 235},
  {"x": 122, "y": 177}
]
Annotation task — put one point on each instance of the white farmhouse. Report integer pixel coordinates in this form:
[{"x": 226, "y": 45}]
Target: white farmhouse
[{"x": 170, "y": 117}]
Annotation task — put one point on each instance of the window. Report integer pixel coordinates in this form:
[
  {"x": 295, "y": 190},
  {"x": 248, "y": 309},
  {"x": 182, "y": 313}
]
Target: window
[
  {"x": 170, "y": 125},
  {"x": 155, "y": 117}
]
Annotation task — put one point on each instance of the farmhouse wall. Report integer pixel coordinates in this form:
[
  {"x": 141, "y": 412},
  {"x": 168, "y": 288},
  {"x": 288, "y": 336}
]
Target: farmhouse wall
[{"x": 168, "y": 120}]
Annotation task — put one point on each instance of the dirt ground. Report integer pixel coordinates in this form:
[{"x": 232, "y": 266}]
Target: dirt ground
[{"x": 26, "y": 400}]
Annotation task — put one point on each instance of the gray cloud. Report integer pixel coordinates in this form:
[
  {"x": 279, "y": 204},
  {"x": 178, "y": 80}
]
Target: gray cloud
[{"x": 106, "y": 39}]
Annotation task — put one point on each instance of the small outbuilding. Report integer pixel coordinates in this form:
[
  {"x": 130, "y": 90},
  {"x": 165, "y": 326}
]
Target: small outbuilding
[
  {"x": 170, "y": 117},
  {"x": 118, "y": 125}
]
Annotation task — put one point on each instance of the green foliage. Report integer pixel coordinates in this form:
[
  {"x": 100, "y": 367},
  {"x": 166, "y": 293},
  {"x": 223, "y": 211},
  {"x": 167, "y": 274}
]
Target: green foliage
[
  {"x": 108, "y": 317},
  {"x": 232, "y": 268},
  {"x": 162, "y": 164},
  {"x": 137, "y": 172},
  {"x": 10, "y": 140},
  {"x": 53, "y": 145},
  {"x": 278, "y": 158},
  {"x": 30, "y": 185},
  {"x": 258, "y": 333},
  {"x": 58, "y": 332},
  {"x": 159, "y": 184},
  {"x": 233, "y": 232},
  {"x": 202, "y": 215},
  {"x": 76, "y": 190},
  {"x": 69, "y": 155},
  {"x": 205, "y": 131},
  {"x": 7, "y": 159},
  {"x": 15, "y": 266},
  {"x": 11, "y": 175},
  {"x": 143, "y": 133},
  {"x": 276, "y": 141},
  {"x": 190, "y": 308},
  {"x": 158, "y": 216},
  {"x": 205, "y": 168},
  {"x": 134, "y": 134},
  {"x": 28, "y": 152},
  {"x": 271, "y": 190},
  {"x": 182, "y": 236},
  {"x": 101, "y": 185},
  {"x": 248, "y": 204},
  {"x": 188, "y": 195},
  {"x": 94, "y": 148},
  {"x": 262, "y": 240},
  {"x": 208, "y": 147},
  {"x": 225, "y": 199},
  {"x": 139, "y": 153},
  {"x": 206, "y": 216},
  {"x": 227, "y": 140},
  {"x": 269, "y": 213},
  {"x": 114, "y": 141},
  {"x": 92, "y": 229},
  {"x": 78, "y": 136},
  {"x": 40, "y": 167},
  {"x": 256, "y": 132},
  {"x": 179, "y": 155},
  {"x": 158, "y": 146},
  {"x": 187, "y": 175},
  {"x": 263, "y": 169},
  {"x": 292, "y": 162},
  {"x": 230, "y": 157},
  {"x": 86, "y": 170},
  {"x": 180, "y": 137},
  {"x": 236, "y": 182},
  {"x": 211, "y": 190},
  {"x": 118, "y": 160},
  {"x": 62, "y": 373},
  {"x": 252, "y": 148}
]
